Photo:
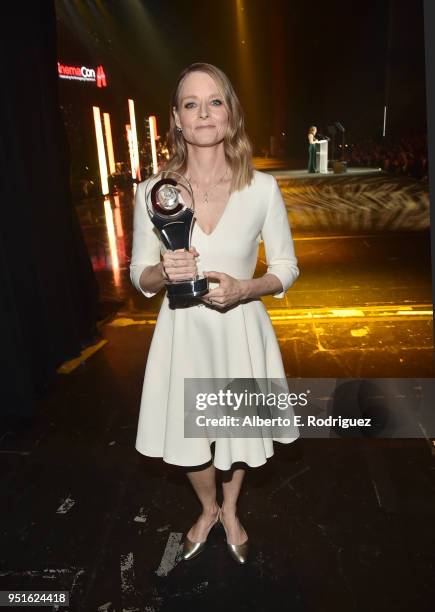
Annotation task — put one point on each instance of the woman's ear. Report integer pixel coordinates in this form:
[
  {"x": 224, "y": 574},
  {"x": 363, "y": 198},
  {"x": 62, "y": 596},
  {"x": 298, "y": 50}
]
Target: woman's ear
[{"x": 176, "y": 117}]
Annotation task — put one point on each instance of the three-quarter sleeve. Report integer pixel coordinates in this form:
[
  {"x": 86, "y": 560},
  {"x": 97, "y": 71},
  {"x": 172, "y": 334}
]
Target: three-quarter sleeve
[
  {"x": 278, "y": 242},
  {"x": 146, "y": 244}
]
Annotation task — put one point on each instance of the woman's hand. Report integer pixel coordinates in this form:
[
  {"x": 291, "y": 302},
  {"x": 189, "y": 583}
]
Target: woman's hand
[
  {"x": 229, "y": 292},
  {"x": 180, "y": 265}
]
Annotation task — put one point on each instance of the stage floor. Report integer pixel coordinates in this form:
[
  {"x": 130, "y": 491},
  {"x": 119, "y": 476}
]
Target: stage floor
[{"x": 303, "y": 174}]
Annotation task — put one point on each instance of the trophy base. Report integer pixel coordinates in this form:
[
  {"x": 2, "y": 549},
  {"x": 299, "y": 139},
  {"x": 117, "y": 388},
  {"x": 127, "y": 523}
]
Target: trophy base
[{"x": 186, "y": 289}]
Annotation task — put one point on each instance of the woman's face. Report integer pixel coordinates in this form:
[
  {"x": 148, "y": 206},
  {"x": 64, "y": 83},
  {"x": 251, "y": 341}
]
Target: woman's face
[
  {"x": 201, "y": 114},
  {"x": 315, "y": 131}
]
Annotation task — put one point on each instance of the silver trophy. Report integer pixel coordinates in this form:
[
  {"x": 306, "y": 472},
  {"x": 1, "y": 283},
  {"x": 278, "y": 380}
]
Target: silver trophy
[{"x": 170, "y": 205}]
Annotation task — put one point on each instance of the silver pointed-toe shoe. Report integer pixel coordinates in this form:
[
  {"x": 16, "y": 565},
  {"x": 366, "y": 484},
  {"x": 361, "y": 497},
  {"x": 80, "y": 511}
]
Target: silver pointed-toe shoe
[
  {"x": 193, "y": 549},
  {"x": 239, "y": 552}
]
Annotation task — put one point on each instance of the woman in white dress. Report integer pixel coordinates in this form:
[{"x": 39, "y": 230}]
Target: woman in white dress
[{"x": 228, "y": 332}]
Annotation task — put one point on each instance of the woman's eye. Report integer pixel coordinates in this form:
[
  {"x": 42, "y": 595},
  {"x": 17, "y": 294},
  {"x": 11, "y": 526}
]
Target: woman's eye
[{"x": 215, "y": 102}]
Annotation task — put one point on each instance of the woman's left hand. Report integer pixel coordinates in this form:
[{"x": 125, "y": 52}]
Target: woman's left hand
[{"x": 230, "y": 290}]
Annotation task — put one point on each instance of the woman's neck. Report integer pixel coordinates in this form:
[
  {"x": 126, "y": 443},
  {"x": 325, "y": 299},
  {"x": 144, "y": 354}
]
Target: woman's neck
[{"x": 206, "y": 164}]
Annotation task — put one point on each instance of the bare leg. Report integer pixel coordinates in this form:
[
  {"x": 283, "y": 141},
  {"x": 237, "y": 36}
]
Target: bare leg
[
  {"x": 204, "y": 483},
  {"x": 231, "y": 485}
]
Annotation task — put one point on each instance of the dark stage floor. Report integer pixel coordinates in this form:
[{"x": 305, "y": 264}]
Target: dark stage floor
[{"x": 335, "y": 524}]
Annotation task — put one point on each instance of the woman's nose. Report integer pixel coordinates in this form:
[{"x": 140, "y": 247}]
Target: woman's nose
[{"x": 203, "y": 111}]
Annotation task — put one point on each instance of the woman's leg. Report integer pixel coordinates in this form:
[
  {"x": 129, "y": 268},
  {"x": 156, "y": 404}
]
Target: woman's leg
[
  {"x": 231, "y": 484},
  {"x": 312, "y": 158},
  {"x": 204, "y": 484}
]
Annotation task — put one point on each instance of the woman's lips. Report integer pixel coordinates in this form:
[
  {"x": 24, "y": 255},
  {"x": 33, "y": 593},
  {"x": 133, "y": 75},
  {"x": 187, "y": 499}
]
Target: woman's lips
[{"x": 202, "y": 127}]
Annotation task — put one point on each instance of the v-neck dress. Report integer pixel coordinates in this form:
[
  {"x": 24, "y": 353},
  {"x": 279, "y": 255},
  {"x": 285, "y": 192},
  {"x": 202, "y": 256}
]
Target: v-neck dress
[{"x": 202, "y": 341}]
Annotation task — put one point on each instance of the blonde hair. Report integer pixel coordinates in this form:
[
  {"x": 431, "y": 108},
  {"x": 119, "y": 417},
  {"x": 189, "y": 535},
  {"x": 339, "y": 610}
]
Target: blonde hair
[
  {"x": 237, "y": 146},
  {"x": 312, "y": 129}
]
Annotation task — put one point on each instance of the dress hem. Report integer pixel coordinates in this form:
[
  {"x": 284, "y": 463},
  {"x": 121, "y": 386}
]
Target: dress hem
[{"x": 158, "y": 455}]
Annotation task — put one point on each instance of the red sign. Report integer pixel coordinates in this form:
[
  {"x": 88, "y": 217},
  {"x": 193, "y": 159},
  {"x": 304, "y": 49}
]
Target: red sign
[
  {"x": 82, "y": 73},
  {"x": 101, "y": 77}
]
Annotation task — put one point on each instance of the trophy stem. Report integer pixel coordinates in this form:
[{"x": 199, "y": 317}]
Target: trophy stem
[{"x": 175, "y": 234}]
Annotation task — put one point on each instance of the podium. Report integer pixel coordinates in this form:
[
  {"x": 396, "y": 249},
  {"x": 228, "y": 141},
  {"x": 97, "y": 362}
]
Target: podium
[{"x": 322, "y": 156}]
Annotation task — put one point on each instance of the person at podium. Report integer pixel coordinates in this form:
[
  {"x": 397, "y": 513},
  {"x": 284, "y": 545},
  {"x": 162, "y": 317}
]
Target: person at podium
[{"x": 312, "y": 131}]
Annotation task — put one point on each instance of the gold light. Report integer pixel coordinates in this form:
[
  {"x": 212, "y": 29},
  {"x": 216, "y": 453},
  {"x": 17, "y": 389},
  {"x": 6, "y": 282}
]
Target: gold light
[
  {"x": 135, "y": 148},
  {"x": 100, "y": 149},
  {"x": 117, "y": 217},
  {"x": 109, "y": 143},
  {"x": 130, "y": 150},
  {"x": 152, "y": 121},
  {"x": 112, "y": 240}
]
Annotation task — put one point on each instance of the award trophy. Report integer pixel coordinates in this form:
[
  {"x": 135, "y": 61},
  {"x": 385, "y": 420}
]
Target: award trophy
[{"x": 170, "y": 205}]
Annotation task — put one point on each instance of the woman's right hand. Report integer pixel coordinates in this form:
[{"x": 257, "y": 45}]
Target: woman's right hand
[{"x": 180, "y": 265}]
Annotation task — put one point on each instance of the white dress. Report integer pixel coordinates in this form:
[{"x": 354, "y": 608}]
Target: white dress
[{"x": 203, "y": 342}]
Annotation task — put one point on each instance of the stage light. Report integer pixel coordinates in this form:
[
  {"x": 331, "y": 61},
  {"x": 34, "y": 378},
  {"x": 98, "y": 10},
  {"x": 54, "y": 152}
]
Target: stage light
[
  {"x": 134, "y": 140},
  {"x": 130, "y": 150},
  {"x": 109, "y": 143},
  {"x": 100, "y": 149},
  {"x": 117, "y": 217},
  {"x": 112, "y": 241},
  {"x": 152, "y": 122}
]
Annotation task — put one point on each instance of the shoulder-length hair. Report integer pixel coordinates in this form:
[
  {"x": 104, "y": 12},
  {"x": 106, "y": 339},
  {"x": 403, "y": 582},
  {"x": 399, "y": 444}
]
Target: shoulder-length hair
[
  {"x": 312, "y": 129},
  {"x": 237, "y": 146}
]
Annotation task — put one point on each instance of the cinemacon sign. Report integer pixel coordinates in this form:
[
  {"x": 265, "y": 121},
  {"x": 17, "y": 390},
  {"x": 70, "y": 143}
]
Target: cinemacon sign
[{"x": 82, "y": 73}]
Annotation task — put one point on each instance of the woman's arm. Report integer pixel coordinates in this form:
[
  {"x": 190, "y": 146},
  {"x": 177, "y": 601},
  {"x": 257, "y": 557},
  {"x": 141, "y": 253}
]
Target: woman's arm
[
  {"x": 145, "y": 256},
  {"x": 310, "y": 138},
  {"x": 152, "y": 279},
  {"x": 232, "y": 290},
  {"x": 268, "y": 284},
  {"x": 282, "y": 268},
  {"x": 278, "y": 243}
]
